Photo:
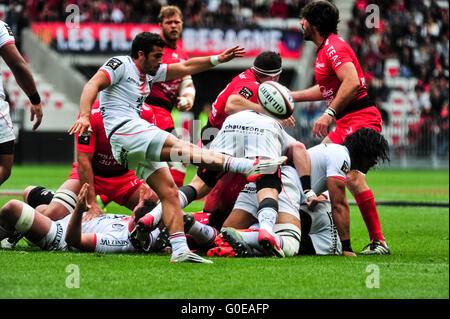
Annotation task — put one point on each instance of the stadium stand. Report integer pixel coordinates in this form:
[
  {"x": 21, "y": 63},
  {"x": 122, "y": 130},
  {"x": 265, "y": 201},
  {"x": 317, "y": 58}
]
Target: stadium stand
[
  {"x": 408, "y": 54},
  {"x": 405, "y": 57}
]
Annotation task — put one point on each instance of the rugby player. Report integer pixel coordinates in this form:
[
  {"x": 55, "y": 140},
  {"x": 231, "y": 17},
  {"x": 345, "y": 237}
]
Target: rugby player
[
  {"x": 251, "y": 134},
  {"x": 179, "y": 93},
  {"x": 96, "y": 166},
  {"x": 322, "y": 224},
  {"x": 235, "y": 97},
  {"x": 108, "y": 233},
  {"x": 124, "y": 82},
  {"x": 341, "y": 83},
  {"x": 24, "y": 78}
]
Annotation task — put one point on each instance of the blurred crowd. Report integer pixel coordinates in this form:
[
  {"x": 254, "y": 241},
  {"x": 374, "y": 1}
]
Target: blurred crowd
[
  {"x": 205, "y": 13},
  {"x": 416, "y": 34}
]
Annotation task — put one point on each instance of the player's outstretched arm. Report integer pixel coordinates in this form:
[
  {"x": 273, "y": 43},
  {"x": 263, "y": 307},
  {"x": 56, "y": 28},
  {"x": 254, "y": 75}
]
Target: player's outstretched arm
[
  {"x": 200, "y": 64},
  {"x": 97, "y": 83},
  {"x": 236, "y": 103},
  {"x": 311, "y": 94},
  {"x": 74, "y": 237},
  {"x": 348, "y": 76},
  {"x": 24, "y": 79},
  {"x": 86, "y": 174}
]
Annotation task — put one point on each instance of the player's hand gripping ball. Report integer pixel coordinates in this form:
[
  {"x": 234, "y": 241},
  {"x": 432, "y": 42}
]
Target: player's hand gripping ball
[{"x": 276, "y": 99}]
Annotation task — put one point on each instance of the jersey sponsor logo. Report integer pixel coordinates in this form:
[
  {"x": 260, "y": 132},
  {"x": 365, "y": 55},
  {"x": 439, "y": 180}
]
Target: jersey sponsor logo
[
  {"x": 246, "y": 92},
  {"x": 349, "y": 131},
  {"x": 114, "y": 63},
  {"x": 113, "y": 242},
  {"x": 84, "y": 138},
  {"x": 325, "y": 92},
  {"x": 9, "y": 30},
  {"x": 59, "y": 232},
  {"x": 345, "y": 167},
  {"x": 117, "y": 226},
  {"x": 320, "y": 65},
  {"x": 237, "y": 127},
  {"x": 130, "y": 79}
]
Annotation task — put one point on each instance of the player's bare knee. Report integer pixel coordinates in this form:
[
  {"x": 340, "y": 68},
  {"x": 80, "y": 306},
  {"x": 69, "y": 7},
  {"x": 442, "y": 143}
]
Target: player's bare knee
[
  {"x": 356, "y": 182},
  {"x": 11, "y": 212}
]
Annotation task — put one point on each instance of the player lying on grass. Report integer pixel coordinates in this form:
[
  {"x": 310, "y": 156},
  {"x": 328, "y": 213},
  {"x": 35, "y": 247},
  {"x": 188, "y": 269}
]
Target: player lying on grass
[
  {"x": 107, "y": 233},
  {"x": 330, "y": 164},
  {"x": 96, "y": 166}
]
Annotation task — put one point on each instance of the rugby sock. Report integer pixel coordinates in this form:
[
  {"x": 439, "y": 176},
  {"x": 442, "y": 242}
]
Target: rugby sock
[
  {"x": 366, "y": 203},
  {"x": 178, "y": 243},
  {"x": 152, "y": 237},
  {"x": 250, "y": 237},
  {"x": 267, "y": 214},
  {"x": 186, "y": 195},
  {"x": 203, "y": 234},
  {"x": 237, "y": 165}
]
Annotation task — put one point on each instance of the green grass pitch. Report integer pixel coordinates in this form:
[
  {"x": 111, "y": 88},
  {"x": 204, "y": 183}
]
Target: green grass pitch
[{"x": 417, "y": 269}]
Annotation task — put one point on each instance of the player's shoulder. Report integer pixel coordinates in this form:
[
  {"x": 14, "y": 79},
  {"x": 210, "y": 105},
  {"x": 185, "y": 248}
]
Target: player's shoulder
[
  {"x": 117, "y": 61},
  {"x": 336, "y": 41},
  {"x": 5, "y": 30}
]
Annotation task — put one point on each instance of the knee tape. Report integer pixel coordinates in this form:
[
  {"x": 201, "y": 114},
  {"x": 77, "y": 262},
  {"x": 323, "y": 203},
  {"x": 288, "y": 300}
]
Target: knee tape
[
  {"x": 290, "y": 235},
  {"x": 25, "y": 220},
  {"x": 269, "y": 181},
  {"x": 268, "y": 203},
  {"x": 66, "y": 198},
  {"x": 39, "y": 195}
]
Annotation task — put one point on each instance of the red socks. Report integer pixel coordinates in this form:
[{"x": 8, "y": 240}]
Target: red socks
[{"x": 368, "y": 208}]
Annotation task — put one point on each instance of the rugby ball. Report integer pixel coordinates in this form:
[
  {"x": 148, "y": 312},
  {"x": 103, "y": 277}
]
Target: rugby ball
[{"x": 276, "y": 99}]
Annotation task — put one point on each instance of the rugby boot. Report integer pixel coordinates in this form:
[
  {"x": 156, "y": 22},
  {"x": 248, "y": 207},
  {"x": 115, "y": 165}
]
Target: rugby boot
[
  {"x": 240, "y": 247},
  {"x": 262, "y": 167},
  {"x": 189, "y": 257},
  {"x": 269, "y": 244},
  {"x": 376, "y": 247}
]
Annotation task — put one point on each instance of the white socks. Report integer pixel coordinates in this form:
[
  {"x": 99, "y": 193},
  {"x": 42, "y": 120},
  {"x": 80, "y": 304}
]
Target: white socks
[
  {"x": 203, "y": 234},
  {"x": 237, "y": 165}
]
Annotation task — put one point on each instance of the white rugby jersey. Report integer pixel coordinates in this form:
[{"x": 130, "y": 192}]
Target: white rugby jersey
[
  {"x": 6, "y": 37},
  {"x": 128, "y": 89},
  {"x": 111, "y": 232},
  {"x": 250, "y": 134},
  {"x": 328, "y": 160}
]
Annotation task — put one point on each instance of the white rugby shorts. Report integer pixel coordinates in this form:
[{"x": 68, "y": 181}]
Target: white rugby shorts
[
  {"x": 6, "y": 126},
  {"x": 288, "y": 199},
  {"x": 322, "y": 231},
  {"x": 137, "y": 145},
  {"x": 55, "y": 238}
]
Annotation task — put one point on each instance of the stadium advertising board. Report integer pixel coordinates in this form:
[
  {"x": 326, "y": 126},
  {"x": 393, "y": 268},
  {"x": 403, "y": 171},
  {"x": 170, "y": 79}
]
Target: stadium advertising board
[{"x": 101, "y": 38}]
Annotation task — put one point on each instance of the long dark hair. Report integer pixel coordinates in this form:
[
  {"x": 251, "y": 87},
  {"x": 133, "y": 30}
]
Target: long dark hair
[{"x": 366, "y": 143}]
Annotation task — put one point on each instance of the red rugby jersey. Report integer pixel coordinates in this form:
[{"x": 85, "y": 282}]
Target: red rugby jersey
[
  {"x": 168, "y": 91},
  {"x": 103, "y": 162},
  {"x": 245, "y": 84},
  {"x": 331, "y": 55}
]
